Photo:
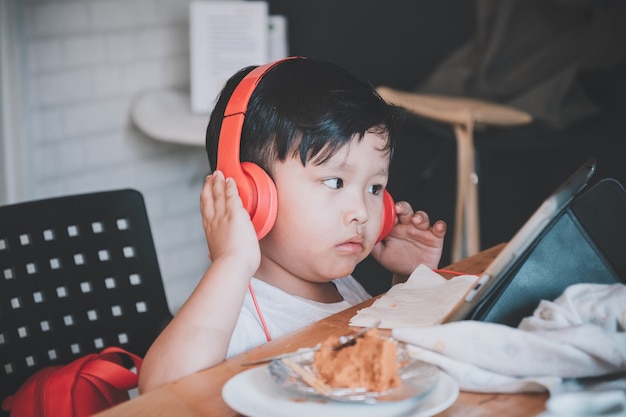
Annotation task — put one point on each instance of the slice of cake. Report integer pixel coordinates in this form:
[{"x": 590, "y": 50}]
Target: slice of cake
[{"x": 370, "y": 363}]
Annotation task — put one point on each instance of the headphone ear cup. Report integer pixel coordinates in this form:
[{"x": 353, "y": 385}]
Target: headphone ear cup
[
  {"x": 389, "y": 216},
  {"x": 263, "y": 196}
]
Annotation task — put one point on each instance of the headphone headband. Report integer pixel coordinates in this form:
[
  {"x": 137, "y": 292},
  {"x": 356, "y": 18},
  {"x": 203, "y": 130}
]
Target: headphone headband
[
  {"x": 228, "y": 152},
  {"x": 238, "y": 102}
]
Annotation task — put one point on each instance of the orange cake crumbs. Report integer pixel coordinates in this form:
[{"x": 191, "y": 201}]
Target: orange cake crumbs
[{"x": 369, "y": 363}]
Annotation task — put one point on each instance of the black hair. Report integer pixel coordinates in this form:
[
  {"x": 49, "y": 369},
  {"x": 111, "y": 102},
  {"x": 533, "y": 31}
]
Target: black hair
[{"x": 306, "y": 108}]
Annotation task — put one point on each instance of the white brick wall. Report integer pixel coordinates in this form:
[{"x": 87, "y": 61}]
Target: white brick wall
[{"x": 83, "y": 62}]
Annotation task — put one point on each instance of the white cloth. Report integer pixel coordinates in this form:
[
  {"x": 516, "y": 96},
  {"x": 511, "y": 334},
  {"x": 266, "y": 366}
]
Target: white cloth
[
  {"x": 285, "y": 313},
  {"x": 579, "y": 334}
]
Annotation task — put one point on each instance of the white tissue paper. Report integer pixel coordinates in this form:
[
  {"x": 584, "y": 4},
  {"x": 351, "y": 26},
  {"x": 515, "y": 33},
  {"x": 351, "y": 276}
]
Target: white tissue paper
[{"x": 425, "y": 299}]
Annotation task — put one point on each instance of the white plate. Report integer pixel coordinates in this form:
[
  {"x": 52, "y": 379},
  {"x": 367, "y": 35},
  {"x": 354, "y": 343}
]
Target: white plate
[{"x": 253, "y": 393}]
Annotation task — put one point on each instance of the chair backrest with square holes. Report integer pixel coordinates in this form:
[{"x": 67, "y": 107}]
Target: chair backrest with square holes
[{"x": 77, "y": 274}]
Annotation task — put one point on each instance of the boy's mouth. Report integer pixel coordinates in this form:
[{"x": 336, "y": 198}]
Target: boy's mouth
[{"x": 354, "y": 245}]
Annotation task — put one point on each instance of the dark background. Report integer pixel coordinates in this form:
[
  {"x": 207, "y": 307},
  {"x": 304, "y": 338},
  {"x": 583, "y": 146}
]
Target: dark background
[
  {"x": 391, "y": 42},
  {"x": 399, "y": 43}
]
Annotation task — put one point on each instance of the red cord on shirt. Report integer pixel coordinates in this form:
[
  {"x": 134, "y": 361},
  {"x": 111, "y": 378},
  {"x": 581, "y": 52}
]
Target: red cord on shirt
[{"x": 258, "y": 310}]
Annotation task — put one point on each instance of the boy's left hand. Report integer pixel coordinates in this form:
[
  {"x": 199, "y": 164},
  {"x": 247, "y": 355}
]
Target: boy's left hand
[{"x": 411, "y": 242}]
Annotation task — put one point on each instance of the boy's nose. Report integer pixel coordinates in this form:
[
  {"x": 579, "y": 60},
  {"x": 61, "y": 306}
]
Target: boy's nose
[{"x": 357, "y": 211}]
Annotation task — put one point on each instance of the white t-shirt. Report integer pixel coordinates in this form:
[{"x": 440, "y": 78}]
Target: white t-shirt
[{"x": 285, "y": 313}]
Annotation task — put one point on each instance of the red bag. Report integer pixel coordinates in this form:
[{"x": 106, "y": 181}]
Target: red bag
[{"x": 86, "y": 386}]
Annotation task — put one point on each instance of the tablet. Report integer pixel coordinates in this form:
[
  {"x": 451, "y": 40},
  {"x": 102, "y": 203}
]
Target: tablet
[{"x": 498, "y": 269}]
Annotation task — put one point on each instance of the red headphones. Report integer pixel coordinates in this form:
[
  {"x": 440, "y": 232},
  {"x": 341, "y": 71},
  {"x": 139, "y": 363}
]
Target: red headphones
[{"x": 256, "y": 188}]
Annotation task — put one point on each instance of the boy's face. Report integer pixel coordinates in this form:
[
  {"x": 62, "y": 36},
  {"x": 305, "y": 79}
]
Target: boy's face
[{"x": 329, "y": 215}]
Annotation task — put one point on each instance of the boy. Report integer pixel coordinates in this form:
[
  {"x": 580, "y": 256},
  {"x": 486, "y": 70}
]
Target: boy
[{"x": 325, "y": 138}]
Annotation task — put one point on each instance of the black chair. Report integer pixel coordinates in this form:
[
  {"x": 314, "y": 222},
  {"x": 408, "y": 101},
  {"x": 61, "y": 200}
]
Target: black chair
[{"x": 77, "y": 274}]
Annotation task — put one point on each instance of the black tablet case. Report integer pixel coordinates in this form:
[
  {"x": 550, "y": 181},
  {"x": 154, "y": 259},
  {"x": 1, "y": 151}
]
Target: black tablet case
[{"x": 584, "y": 243}]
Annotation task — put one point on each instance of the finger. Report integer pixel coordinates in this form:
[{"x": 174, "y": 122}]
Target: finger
[
  {"x": 212, "y": 197},
  {"x": 421, "y": 220},
  {"x": 232, "y": 194},
  {"x": 206, "y": 195},
  {"x": 404, "y": 211},
  {"x": 439, "y": 228}
]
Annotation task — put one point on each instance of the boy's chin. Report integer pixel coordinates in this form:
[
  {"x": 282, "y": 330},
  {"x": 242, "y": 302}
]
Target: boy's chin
[{"x": 340, "y": 273}]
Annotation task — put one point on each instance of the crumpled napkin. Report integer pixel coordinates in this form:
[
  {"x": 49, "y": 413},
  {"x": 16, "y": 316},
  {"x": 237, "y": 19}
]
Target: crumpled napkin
[
  {"x": 580, "y": 334},
  {"x": 425, "y": 299}
]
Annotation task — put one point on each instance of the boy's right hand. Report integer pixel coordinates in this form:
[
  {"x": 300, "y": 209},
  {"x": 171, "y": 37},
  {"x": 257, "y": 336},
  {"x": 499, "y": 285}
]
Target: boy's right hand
[{"x": 227, "y": 226}]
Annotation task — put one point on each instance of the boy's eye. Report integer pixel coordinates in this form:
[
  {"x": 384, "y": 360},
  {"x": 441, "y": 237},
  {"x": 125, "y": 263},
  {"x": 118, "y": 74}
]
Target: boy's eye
[
  {"x": 376, "y": 189},
  {"x": 334, "y": 183}
]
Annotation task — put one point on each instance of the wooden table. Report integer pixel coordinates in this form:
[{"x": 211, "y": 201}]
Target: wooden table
[{"x": 199, "y": 394}]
